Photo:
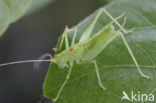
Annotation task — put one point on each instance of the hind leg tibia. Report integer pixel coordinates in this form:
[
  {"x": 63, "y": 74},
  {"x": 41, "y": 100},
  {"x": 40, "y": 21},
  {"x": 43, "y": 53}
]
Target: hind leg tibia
[{"x": 98, "y": 75}]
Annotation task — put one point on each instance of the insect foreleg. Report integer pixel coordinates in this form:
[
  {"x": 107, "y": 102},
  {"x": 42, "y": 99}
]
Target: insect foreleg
[
  {"x": 61, "y": 43},
  {"x": 74, "y": 36},
  {"x": 64, "y": 83},
  {"x": 64, "y": 36},
  {"x": 98, "y": 75}
]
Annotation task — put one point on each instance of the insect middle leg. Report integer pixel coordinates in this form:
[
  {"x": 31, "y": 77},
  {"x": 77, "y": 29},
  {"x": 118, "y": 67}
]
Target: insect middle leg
[
  {"x": 98, "y": 75},
  {"x": 127, "y": 45},
  {"x": 64, "y": 83}
]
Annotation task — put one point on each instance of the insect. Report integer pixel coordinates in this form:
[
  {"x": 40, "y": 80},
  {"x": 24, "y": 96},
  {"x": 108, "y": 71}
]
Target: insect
[{"x": 88, "y": 48}]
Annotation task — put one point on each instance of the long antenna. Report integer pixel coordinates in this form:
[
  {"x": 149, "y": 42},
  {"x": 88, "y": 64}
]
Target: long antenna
[{"x": 25, "y": 61}]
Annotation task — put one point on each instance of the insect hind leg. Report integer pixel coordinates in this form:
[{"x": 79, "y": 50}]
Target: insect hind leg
[
  {"x": 127, "y": 45},
  {"x": 98, "y": 75},
  {"x": 133, "y": 58}
]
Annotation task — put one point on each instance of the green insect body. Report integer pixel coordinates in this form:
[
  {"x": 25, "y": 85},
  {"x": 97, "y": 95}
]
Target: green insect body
[
  {"x": 88, "y": 49},
  {"x": 85, "y": 51}
]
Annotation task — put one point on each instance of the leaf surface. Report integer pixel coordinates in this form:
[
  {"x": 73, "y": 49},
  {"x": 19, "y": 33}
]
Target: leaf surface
[
  {"x": 10, "y": 11},
  {"x": 117, "y": 69}
]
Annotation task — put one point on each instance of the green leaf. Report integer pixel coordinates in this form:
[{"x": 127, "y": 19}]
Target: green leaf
[
  {"x": 10, "y": 11},
  {"x": 117, "y": 69}
]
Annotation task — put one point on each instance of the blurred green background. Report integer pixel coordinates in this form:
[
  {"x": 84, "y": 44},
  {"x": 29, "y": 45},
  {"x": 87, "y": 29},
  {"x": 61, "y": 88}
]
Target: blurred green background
[{"x": 29, "y": 38}]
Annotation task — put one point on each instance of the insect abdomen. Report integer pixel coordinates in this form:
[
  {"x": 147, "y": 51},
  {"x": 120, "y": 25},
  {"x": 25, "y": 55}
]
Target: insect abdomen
[{"x": 98, "y": 42}]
